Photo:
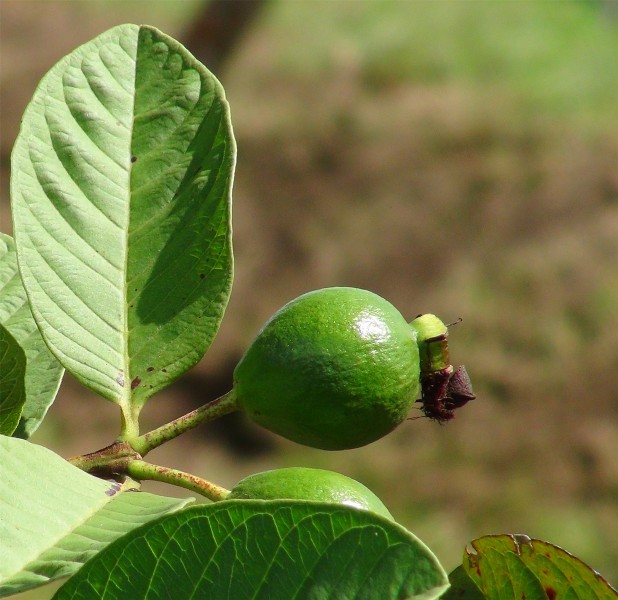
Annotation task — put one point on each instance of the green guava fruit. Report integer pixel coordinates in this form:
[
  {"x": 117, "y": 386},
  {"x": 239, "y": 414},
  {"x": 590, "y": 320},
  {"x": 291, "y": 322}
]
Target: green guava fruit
[
  {"x": 299, "y": 483},
  {"x": 336, "y": 368}
]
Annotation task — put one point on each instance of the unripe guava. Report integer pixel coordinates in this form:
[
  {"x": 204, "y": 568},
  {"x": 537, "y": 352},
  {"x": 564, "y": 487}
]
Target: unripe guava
[
  {"x": 335, "y": 368},
  {"x": 299, "y": 483}
]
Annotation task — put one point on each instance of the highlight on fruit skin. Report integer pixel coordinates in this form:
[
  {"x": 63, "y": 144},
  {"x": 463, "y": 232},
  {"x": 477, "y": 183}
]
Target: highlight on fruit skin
[
  {"x": 301, "y": 483},
  {"x": 335, "y": 368}
]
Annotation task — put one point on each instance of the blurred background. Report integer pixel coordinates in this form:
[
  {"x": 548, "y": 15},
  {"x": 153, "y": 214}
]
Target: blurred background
[{"x": 454, "y": 157}]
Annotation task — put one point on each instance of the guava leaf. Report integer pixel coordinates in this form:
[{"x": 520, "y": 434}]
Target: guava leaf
[
  {"x": 12, "y": 386},
  {"x": 121, "y": 184},
  {"x": 254, "y": 549},
  {"x": 54, "y": 517},
  {"x": 511, "y": 567},
  {"x": 43, "y": 372},
  {"x": 462, "y": 587}
]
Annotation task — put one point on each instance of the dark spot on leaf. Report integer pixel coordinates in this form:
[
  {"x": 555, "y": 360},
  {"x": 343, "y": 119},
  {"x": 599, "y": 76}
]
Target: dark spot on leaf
[
  {"x": 164, "y": 370},
  {"x": 551, "y": 593},
  {"x": 135, "y": 383},
  {"x": 202, "y": 275},
  {"x": 150, "y": 369},
  {"x": 113, "y": 490},
  {"x": 133, "y": 159}
]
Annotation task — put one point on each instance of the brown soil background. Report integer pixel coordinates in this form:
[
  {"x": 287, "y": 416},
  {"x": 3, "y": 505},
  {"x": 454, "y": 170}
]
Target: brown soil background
[{"x": 442, "y": 198}]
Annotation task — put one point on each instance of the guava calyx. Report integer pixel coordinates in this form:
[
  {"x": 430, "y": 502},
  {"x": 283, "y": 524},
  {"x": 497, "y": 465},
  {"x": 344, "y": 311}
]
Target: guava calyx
[{"x": 443, "y": 388}]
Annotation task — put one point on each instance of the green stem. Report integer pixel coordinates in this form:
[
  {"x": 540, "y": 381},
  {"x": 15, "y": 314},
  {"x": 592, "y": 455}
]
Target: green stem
[
  {"x": 212, "y": 410},
  {"x": 141, "y": 470}
]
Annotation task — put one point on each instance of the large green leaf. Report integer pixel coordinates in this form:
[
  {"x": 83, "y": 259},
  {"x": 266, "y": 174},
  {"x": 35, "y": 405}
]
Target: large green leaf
[
  {"x": 121, "y": 184},
  {"x": 54, "y": 517},
  {"x": 43, "y": 372},
  {"x": 511, "y": 567},
  {"x": 253, "y": 549},
  {"x": 12, "y": 378}
]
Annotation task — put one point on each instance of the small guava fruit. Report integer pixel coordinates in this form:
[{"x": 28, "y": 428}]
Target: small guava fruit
[
  {"x": 335, "y": 368},
  {"x": 301, "y": 483}
]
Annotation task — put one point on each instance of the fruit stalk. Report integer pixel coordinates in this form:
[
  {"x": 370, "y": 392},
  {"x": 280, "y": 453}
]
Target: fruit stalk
[
  {"x": 142, "y": 470},
  {"x": 208, "y": 412}
]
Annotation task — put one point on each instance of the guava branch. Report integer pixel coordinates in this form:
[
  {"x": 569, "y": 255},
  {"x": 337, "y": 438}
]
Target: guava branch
[{"x": 106, "y": 462}]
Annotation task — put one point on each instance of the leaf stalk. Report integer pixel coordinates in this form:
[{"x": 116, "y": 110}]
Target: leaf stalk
[{"x": 129, "y": 428}]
